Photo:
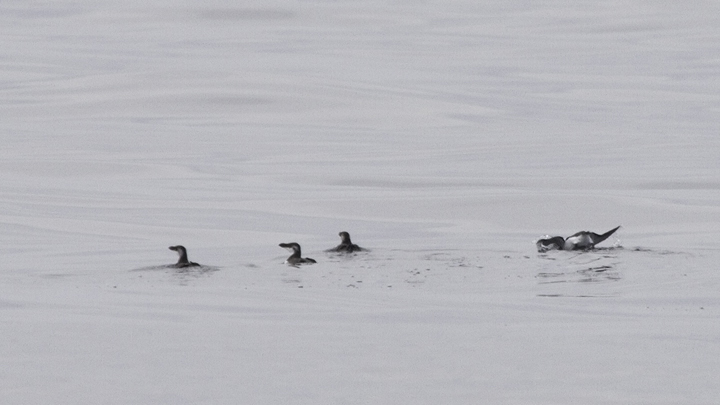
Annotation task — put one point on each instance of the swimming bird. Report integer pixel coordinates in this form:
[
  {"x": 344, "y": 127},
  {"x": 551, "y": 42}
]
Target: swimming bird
[
  {"x": 295, "y": 258},
  {"x": 183, "y": 260},
  {"x": 580, "y": 240},
  {"x": 346, "y": 246}
]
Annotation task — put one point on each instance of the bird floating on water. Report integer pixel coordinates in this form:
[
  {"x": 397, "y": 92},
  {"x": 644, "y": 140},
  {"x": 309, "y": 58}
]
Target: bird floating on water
[
  {"x": 346, "y": 245},
  {"x": 183, "y": 259},
  {"x": 580, "y": 240},
  {"x": 295, "y": 258}
]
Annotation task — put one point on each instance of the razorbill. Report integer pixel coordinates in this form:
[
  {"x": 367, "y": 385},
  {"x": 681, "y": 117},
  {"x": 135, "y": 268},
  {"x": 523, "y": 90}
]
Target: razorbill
[
  {"x": 295, "y": 258},
  {"x": 183, "y": 259},
  {"x": 580, "y": 240},
  {"x": 346, "y": 246}
]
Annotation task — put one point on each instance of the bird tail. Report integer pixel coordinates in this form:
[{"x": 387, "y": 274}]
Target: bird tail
[{"x": 604, "y": 236}]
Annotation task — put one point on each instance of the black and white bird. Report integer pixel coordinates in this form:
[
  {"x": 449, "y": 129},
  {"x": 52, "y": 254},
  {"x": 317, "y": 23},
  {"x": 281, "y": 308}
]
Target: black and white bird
[
  {"x": 346, "y": 245},
  {"x": 296, "y": 257},
  {"x": 580, "y": 240},
  {"x": 183, "y": 258}
]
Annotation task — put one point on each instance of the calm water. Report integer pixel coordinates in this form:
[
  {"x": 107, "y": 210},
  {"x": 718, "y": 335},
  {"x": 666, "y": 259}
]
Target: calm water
[{"x": 444, "y": 136}]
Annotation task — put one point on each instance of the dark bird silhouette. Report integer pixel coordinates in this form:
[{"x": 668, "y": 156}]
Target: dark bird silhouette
[
  {"x": 183, "y": 259},
  {"x": 346, "y": 245},
  {"x": 580, "y": 240},
  {"x": 296, "y": 258}
]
